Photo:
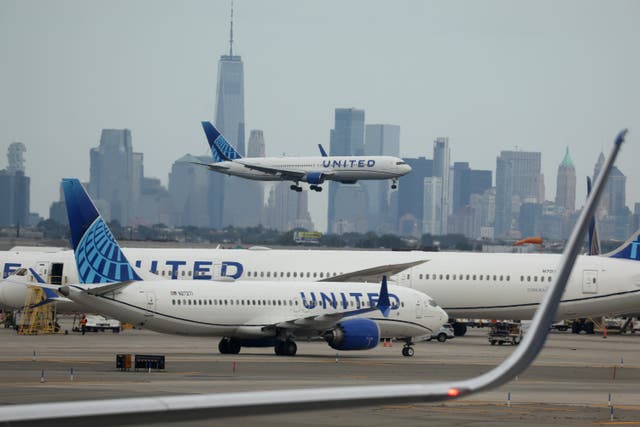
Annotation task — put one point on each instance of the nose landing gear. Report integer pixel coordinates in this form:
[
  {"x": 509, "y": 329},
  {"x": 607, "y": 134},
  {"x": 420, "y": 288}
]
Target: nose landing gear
[
  {"x": 394, "y": 183},
  {"x": 407, "y": 349}
]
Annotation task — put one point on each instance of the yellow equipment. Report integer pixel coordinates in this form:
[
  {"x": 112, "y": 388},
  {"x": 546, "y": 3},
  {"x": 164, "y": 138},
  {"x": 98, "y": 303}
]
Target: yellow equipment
[{"x": 36, "y": 318}]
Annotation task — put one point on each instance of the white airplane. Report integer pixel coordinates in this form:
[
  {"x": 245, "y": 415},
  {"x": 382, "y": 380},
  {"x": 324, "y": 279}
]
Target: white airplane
[
  {"x": 465, "y": 284},
  {"x": 114, "y": 412},
  {"x": 313, "y": 170},
  {"x": 243, "y": 313}
]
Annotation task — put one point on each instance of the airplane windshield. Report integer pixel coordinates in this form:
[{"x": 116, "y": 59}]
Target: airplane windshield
[{"x": 401, "y": 163}]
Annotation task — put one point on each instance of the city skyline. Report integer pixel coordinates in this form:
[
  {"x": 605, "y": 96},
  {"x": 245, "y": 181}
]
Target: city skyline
[{"x": 500, "y": 82}]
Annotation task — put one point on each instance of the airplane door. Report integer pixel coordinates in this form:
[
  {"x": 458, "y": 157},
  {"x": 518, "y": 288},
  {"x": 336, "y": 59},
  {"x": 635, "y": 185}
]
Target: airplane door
[
  {"x": 151, "y": 302},
  {"x": 56, "y": 275},
  {"x": 42, "y": 268},
  {"x": 590, "y": 282}
]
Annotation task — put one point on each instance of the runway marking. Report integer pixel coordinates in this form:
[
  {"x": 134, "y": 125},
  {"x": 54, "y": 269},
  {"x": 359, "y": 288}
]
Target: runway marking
[{"x": 617, "y": 423}]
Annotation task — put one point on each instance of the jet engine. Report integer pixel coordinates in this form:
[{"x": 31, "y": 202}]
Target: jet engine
[
  {"x": 314, "y": 178},
  {"x": 353, "y": 334}
]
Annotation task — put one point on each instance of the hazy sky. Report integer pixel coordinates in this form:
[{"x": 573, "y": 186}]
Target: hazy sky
[{"x": 491, "y": 75}]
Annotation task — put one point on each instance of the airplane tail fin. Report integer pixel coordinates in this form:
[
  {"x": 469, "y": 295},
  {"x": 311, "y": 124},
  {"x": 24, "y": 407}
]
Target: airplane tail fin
[
  {"x": 322, "y": 152},
  {"x": 629, "y": 249},
  {"x": 220, "y": 148},
  {"x": 98, "y": 256}
]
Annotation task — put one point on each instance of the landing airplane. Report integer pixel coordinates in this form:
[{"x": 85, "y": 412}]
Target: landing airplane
[
  {"x": 313, "y": 170},
  {"x": 114, "y": 412},
  {"x": 243, "y": 313}
]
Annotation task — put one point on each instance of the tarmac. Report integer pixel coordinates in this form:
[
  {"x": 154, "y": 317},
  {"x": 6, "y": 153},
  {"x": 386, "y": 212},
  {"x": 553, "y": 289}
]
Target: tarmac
[{"x": 568, "y": 384}]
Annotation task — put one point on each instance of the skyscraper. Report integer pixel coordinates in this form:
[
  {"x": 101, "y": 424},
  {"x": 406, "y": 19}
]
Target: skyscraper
[
  {"x": 112, "y": 177},
  {"x": 432, "y": 202},
  {"x": 189, "y": 191},
  {"x": 14, "y": 189},
  {"x": 411, "y": 196},
  {"x": 287, "y": 209},
  {"x": 566, "y": 184},
  {"x": 243, "y": 200},
  {"x": 381, "y": 140},
  {"x": 230, "y": 97},
  {"x": 256, "y": 144},
  {"x": 347, "y": 139},
  {"x": 518, "y": 180},
  {"x": 441, "y": 164}
]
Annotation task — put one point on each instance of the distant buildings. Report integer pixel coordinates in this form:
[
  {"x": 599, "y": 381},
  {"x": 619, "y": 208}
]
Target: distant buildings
[
  {"x": 381, "y": 140},
  {"x": 287, "y": 210},
  {"x": 411, "y": 196},
  {"x": 518, "y": 180},
  {"x": 115, "y": 174},
  {"x": 14, "y": 189},
  {"x": 566, "y": 184},
  {"x": 441, "y": 164},
  {"x": 348, "y": 203}
]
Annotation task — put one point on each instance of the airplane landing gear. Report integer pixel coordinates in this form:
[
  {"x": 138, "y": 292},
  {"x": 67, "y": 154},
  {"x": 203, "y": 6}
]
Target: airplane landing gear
[
  {"x": 394, "y": 183},
  {"x": 296, "y": 187},
  {"x": 315, "y": 188},
  {"x": 229, "y": 346},
  {"x": 286, "y": 348},
  {"x": 407, "y": 350}
]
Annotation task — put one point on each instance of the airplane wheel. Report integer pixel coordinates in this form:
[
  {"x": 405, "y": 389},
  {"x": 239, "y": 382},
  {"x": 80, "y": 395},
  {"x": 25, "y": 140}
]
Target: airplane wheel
[
  {"x": 290, "y": 348},
  {"x": 319, "y": 189},
  {"x": 407, "y": 351},
  {"x": 294, "y": 187},
  {"x": 223, "y": 346},
  {"x": 299, "y": 189},
  {"x": 493, "y": 342},
  {"x": 393, "y": 187},
  {"x": 234, "y": 346}
]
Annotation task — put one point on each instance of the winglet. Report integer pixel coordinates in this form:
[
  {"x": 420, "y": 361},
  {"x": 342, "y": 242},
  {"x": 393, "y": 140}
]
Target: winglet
[
  {"x": 322, "y": 152},
  {"x": 384, "y": 305}
]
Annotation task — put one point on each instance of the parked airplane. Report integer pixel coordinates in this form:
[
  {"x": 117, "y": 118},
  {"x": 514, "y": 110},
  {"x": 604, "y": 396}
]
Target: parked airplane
[
  {"x": 465, "y": 284},
  {"x": 218, "y": 405},
  {"x": 243, "y": 313},
  {"x": 313, "y": 170}
]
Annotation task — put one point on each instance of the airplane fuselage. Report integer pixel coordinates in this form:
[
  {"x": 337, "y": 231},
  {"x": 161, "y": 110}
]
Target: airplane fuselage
[
  {"x": 250, "y": 310},
  {"x": 315, "y": 170},
  {"x": 466, "y": 285}
]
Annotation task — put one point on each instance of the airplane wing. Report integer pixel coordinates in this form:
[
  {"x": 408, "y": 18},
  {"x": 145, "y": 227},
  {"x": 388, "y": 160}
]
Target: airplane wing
[
  {"x": 285, "y": 174},
  {"x": 219, "y": 405},
  {"x": 211, "y": 166},
  {"x": 373, "y": 274}
]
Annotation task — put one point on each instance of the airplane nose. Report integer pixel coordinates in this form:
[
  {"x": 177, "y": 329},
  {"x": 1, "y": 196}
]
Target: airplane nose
[{"x": 406, "y": 169}]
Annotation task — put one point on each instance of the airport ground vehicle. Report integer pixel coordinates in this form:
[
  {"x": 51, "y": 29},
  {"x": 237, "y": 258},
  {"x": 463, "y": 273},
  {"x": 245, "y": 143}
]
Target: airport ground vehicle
[
  {"x": 97, "y": 323},
  {"x": 505, "y": 332},
  {"x": 444, "y": 333}
]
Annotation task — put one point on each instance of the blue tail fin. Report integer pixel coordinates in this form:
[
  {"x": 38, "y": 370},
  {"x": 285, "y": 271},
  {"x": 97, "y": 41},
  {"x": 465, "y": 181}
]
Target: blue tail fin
[
  {"x": 220, "y": 148},
  {"x": 629, "y": 249},
  {"x": 98, "y": 256},
  {"x": 384, "y": 304},
  {"x": 322, "y": 152}
]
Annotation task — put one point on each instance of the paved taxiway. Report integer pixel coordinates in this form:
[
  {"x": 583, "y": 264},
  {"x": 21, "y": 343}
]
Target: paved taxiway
[{"x": 568, "y": 384}]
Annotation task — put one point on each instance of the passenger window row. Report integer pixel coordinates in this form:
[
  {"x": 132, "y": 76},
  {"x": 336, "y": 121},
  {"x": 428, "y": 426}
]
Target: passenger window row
[
  {"x": 253, "y": 302},
  {"x": 474, "y": 277}
]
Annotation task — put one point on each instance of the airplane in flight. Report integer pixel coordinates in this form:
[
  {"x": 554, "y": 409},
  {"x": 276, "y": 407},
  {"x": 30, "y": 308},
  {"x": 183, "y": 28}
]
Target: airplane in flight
[
  {"x": 243, "y": 313},
  {"x": 177, "y": 408},
  {"x": 313, "y": 170}
]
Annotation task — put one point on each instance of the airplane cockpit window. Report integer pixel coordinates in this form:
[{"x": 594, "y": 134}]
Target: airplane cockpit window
[
  {"x": 401, "y": 163},
  {"x": 433, "y": 303}
]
